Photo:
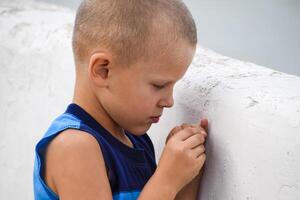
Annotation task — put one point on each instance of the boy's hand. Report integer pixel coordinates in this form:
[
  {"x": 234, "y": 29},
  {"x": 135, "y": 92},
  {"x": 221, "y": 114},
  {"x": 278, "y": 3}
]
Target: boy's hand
[
  {"x": 191, "y": 190},
  {"x": 203, "y": 125},
  {"x": 183, "y": 148}
]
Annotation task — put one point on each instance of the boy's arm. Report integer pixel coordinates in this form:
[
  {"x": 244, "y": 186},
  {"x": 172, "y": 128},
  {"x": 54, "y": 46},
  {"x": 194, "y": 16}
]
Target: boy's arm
[
  {"x": 191, "y": 190},
  {"x": 158, "y": 188},
  {"x": 75, "y": 170}
]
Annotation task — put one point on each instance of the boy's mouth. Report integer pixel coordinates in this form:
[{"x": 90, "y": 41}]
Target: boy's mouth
[{"x": 154, "y": 119}]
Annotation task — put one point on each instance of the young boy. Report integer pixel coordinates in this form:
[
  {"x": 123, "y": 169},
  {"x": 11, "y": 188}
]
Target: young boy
[{"x": 128, "y": 56}]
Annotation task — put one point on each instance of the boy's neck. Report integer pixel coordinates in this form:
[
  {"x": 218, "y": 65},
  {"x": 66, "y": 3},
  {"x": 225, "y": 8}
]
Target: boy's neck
[{"x": 92, "y": 106}]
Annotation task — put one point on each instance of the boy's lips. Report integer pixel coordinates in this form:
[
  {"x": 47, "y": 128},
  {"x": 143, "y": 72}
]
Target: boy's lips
[{"x": 155, "y": 119}]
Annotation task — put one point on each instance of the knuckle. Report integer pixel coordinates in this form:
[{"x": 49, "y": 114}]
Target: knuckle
[
  {"x": 203, "y": 148},
  {"x": 172, "y": 143},
  {"x": 189, "y": 129},
  {"x": 203, "y": 132},
  {"x": 203, "y": 156},
  {"x": 175, "y": 129},
  {"x": 178, "y": 127},
  {"x": 179, "y": 150},
  {"x": 170, "y": 139},
  {"x": 200, "y": 138}
]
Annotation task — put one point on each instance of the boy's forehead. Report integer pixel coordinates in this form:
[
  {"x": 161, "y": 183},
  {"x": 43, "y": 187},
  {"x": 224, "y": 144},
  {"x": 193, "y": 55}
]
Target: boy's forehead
[
  {"x": 170, "y": 63},
  {"x": 165, "y": 72}
]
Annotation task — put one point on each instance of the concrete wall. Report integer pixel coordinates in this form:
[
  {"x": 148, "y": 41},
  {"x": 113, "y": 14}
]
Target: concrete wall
[{"x": 253, "y": 146}]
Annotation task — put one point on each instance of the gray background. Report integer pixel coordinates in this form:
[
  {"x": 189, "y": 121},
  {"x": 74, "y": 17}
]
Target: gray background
[{"x": 265, "y": 32}]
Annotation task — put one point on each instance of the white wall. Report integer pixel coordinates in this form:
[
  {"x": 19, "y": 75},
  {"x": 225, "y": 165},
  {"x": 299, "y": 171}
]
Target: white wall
[
  {"x": 254, "y": 140},
  {"x": 36, "y": 84},
  {"x": 253, "y": 147}
]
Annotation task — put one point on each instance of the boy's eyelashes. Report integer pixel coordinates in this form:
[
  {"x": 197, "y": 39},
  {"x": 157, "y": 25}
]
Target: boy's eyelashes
[{"x": 158, "y": 86}]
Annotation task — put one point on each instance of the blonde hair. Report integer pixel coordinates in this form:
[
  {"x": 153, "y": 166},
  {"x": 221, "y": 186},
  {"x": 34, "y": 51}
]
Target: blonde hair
[{"x": 125, "y": 27}]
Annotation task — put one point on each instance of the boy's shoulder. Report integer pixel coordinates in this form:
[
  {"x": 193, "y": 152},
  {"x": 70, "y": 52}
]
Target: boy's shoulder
[
  {"x": 71, "y": 140},
  {"x": 78, "y": 154},
  {"x": 70, "y": 148}
]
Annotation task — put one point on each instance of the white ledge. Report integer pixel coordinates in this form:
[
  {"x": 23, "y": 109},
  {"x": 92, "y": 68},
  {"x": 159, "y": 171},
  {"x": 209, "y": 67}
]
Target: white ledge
[{"x": 253, "y": 148}]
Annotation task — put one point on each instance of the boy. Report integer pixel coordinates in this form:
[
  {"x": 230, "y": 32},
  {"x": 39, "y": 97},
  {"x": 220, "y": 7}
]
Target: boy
[{"x": 128, "y": 56}]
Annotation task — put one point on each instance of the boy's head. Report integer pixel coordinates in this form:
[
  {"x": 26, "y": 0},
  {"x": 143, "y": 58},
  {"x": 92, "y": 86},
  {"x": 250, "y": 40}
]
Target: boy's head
[{"x": 130, "y": 53}]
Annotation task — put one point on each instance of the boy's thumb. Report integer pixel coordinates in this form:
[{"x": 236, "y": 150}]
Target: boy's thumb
[{"x": 204, "y": 124}]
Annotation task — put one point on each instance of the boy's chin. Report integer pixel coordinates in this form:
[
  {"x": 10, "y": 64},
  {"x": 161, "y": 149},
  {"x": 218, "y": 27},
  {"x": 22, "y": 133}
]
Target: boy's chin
[{"x": 138, "y": 131}]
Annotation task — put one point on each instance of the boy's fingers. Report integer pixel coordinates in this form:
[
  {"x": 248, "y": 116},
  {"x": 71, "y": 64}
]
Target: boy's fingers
[
  {"x": 195, "y": 140},
  {"x": 202, "y": 131},
  {"x": 204, "y": 124},
  {"x": 202, "y": 128},
  {"x": 173, "y": 132},
  {"x": 197, "y": 151},
  {"x": 186, "y": 133},
  {"x": 185, "y": 125}
]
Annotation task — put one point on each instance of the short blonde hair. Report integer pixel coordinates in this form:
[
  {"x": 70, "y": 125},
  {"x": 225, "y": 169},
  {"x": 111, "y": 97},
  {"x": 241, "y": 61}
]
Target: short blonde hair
[{"x": 125, "y": 26}]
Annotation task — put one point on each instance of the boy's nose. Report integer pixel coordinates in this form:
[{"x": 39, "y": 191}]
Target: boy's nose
[{"x": 167, "y": 102}]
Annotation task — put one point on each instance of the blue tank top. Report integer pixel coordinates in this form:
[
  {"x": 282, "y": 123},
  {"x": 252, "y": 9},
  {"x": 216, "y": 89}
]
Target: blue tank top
[{"x": 128, "y": 168}]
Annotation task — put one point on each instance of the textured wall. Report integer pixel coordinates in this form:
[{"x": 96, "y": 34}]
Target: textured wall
[
  {"x": 36, "y": 83},
  {"x": 253, "y": 147},
  {"x": 254, "y": 141}
]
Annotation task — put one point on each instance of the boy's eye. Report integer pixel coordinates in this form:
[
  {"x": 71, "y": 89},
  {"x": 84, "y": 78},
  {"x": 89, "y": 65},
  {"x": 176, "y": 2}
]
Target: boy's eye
[{"x": 158, "y": 86}]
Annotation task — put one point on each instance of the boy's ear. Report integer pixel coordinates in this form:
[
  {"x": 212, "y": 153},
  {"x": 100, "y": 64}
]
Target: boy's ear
[{"x": 99, "y": 68}]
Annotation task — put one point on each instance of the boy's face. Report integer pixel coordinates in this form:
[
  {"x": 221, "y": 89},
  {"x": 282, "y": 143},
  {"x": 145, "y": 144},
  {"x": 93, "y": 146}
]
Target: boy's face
[{"x": 142, "y": 91}]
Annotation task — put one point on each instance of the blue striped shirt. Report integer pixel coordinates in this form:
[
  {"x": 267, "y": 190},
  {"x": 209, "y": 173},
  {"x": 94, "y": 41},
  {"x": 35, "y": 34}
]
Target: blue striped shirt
[{"x": 128, "y": 168}]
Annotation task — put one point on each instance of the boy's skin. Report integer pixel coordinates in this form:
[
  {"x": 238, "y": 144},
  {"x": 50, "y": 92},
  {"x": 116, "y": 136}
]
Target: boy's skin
[
  {"x": 190, "y": 191},
  {"x": 125, "y": 98}
]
